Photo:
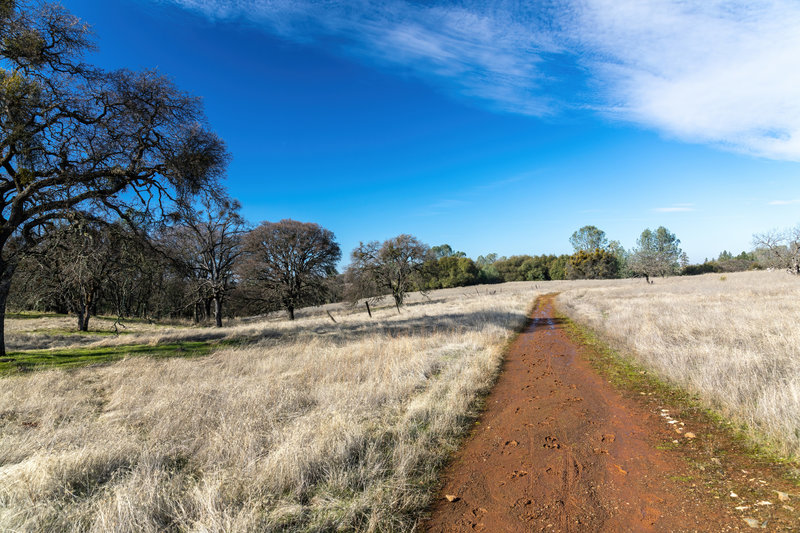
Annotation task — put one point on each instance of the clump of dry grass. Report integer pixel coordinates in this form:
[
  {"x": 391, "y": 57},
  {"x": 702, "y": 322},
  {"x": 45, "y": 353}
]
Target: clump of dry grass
[
  {"x": 733, "y": 341},
  {"x": 317, "y": 426}
]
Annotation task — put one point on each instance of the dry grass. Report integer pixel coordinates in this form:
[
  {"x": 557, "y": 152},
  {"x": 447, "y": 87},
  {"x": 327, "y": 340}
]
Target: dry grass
[
  {"x": 322, "y": 426},
  {"x": 731, "y": 339},
  {"x": 317, "y": 426},
  {"x": 36, "y": 333}
]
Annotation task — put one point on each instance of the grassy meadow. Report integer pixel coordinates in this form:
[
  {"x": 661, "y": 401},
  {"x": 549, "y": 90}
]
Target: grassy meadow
[
  {"x": 308, "y": 425},
  {"x": 315, "y": 425},
  {"x": 731, "y": 339}
]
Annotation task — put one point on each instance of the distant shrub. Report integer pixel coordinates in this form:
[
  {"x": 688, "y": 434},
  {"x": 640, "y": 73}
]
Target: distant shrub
[
  {"x": 531, "y": 268},
  {"x": 705, "y": 268},
  {"x": 489, "y": 274},
  {"x": 450, "y": 271},
  {"x": 597, "y": 264}
]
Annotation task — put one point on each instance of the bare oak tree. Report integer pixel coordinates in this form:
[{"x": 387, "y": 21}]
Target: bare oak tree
[
  {"x": 394, "y": 265},
  {"x": 779, "y": 249},
  {"x": 78, "y": 139},
  {"x": 287, "y": 262},
  {"x": 73, "y": 264},
  {"x": 206, "y": 243}
]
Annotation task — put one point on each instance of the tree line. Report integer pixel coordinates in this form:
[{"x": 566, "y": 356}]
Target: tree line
[{"x": 208, "y": 263}]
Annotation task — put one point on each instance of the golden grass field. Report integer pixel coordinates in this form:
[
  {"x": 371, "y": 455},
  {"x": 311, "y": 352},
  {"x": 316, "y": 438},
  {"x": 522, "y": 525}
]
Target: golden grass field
[
  {"x": 732, "y": 339},
  {"x": 315, "y": 425}
]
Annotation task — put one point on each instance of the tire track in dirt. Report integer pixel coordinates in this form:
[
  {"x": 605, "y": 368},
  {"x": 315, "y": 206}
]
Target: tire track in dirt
[{"x": 559, "y": 449}]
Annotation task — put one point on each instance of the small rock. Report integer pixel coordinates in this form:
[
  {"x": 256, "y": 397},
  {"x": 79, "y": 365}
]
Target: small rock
[
  {"x": 788, "y": 508},
  {"x": 764, "y": 503},
  {"x": 742, "y": 508},
  {"x": 734, "y": 495},
  {"x": 451, "y": 497},
  {"x": 716, "y": 461},
  {"x": 755, "y": 524},
  {"x": 782, "y": 496},
  {"x": 676, "y": 442},
  {"x": 672, "y": 422},
  {"x": 679, "y": 430},
  {"x": 690, "y": 435}
]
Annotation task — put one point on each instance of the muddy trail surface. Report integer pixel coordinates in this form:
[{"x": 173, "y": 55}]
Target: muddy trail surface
[{"x": 560, "y": 449}]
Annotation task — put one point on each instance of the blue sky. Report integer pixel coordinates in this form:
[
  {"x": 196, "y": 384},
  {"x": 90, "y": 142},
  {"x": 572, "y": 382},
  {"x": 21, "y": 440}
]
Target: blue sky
[{"x": 494, "y": 129}]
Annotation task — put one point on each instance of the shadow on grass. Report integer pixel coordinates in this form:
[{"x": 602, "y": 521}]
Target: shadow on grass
[
  {"x": 204, "y": 342},
  {"x": 419, "y": 325}
]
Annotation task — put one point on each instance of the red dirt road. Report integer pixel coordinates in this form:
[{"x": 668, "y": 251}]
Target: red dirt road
[{"x": 559, "y": 449}]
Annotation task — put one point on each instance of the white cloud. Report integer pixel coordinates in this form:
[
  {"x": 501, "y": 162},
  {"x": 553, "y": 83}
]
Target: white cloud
[
  {"x": 481, "y": 52},
  {"x": 715, "y": 71},
  {"x": 721, "y": 72}
]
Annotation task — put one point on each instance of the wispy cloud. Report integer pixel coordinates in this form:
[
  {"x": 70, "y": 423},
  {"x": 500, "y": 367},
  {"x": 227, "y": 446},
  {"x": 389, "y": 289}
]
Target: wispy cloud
[
  {"x": 722, "y": 72},
  {"x": 785, "y": 202},
  {"x": 715, "y": 71},
  {"x": 478, "y": 51}
]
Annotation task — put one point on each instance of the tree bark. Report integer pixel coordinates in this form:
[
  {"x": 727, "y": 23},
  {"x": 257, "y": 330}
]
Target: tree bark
[
  {"x": 218, "y": 310},
  {"x": 290, "y": 309},
  {"x": 5, "y": 287},
  {"x": 207, "y": 309},
  {"x": 87, "y": 312}
]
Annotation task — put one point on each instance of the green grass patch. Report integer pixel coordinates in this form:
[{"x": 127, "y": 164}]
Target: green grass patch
[{"x": 24, "y": 361}]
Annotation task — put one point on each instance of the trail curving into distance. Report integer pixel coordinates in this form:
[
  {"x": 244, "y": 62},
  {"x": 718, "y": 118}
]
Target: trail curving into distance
[{"x": 559, "y": 449}]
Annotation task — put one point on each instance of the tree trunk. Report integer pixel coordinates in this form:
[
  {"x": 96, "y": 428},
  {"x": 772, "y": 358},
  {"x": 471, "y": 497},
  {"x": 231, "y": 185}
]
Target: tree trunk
[
  {"x": 79, "y": 312},
  {"x": 83, "y": 319},
  {"x": 218, "y": 310},
  {"x": 5, "y": 287},
  {"x": 207, "y": 308},
  {"x": 85, "y": 311},
  {"x": 290, "y": 309}
]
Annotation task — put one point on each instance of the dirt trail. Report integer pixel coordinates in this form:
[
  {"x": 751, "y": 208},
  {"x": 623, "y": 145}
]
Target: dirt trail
[{"x": 559, "y": 449}]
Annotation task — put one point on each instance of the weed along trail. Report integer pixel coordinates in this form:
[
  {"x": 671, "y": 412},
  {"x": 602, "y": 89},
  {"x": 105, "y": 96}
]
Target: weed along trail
[{"x": 559, "y": 449}]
